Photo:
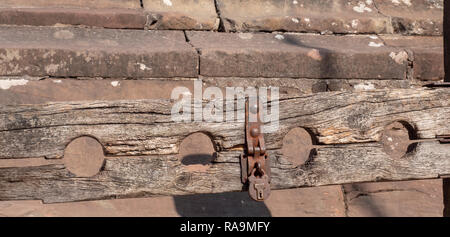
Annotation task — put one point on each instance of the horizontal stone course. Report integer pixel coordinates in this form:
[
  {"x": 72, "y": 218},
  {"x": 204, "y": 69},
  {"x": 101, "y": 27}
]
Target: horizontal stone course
[
  {"x": 133, "y": 4},
  {"x": 297, "y": 56},
  {"x": 324, "y": 16},
  {"x": 111, "y": 53},
  {"x": 418, "y": 17},
  {"x": 77, "y": 52},
  {"x": 107, "y": 18}
]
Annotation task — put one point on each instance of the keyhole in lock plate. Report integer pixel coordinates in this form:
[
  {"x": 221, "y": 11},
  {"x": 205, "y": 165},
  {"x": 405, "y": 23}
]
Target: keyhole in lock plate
[{"x": 259, "y": 188}]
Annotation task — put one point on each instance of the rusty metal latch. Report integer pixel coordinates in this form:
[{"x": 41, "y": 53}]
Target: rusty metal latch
[{"x": 255, "y": 164}]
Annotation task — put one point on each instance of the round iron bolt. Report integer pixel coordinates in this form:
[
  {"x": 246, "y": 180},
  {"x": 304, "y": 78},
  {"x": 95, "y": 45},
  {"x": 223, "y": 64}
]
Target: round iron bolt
[
  {"x": 254, "y": 108},
  {"x": 254, "y": 132}
]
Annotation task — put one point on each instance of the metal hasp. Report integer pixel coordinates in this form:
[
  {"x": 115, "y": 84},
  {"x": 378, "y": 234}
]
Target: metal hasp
[{"x": 255, "y": 163}]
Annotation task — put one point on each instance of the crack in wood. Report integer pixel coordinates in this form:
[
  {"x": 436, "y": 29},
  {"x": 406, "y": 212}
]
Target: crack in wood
[{"x": 347, "y": 149}]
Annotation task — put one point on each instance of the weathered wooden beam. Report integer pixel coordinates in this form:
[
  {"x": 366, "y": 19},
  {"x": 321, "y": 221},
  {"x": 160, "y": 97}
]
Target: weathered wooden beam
[
  {"x": 144, "y": 127},
  {"x": 165, "y": 175}
]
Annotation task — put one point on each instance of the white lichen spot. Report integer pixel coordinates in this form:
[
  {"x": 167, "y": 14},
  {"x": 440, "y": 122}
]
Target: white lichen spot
[
  {"x": 333, "y": 23},
  {"x": 369, "y": 2},
  {"x": 279, "y": 37},
  {"x": 364, "y": 87},
  {"x": 49, "y": 53},
  {"x": 63, "y": 34},
  {"x": 295, "y": 2},
  {"x": 143, "y": 67},
  {"x": 115, "y": 83},
  {"x": 245, "y": 36},
  {"x": 57, "y": 81},
  {"x": 8, "y": 83},
  {"x": 373, "y": 37},
  {"x": 355, "y": 23},
  {"x": 51, "y": 68},
  {"x": 314, "y": 54},
  {"x": 10, "y": 55},
  {"x": 377, "y": 45},
  {"x": 398, "y": 2},
  {"x": 399, "y": 57},
  {"x": 168, "y": 2},
  {"x": 295, "y": 20},
  {"x": 307, "y": 20},
  {"x": 361, "y": 8},
  {"x": 407, "y": 2}
]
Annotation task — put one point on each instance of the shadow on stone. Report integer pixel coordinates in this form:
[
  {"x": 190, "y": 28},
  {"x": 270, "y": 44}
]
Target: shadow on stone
[
  {"x": 369, "y": 205},
  {"x": 236, "y": 204},
  {"x": 327, "y": 62}
]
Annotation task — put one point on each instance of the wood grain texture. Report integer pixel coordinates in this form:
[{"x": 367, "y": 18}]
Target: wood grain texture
[
  {"x": 165, "y": 175},
  {"x": 141, "y": 145},
  {"x": 144, "y": 127}
]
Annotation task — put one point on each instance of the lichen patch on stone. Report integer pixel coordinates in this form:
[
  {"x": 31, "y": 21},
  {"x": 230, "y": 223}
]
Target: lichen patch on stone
[
  {"x": 279, "y": 37},
  {"x": 399, "y": 57},
  {"x": 8, "y": 83},
  {"x": 143, "y": 67},
  {"x": 398, "y": 2},
  {"x": 376, "y": 45},
  {"x": 168, "y": 3},
  {"x": 364, "y": 87},
  {"x": 115, "y": 83},
  {"x": 355, "y": 23},
  {"x": 52, "y": 68},
  {"x": 361, "y": 8},
  {"x": 314, "y": 54}
]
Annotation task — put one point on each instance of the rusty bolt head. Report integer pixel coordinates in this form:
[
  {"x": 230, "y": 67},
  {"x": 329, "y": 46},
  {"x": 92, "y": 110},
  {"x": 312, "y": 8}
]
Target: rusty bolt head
[
  {"x": 254, "y": 132},
  {"x": 254, "y": 108}
]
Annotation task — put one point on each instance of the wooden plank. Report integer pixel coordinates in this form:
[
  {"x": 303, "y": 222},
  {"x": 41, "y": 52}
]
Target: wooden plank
[
  {"x": 352, "y": 122},
  {"x": 165, "y": 175},
  {"x": 144, "y": 127}
]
